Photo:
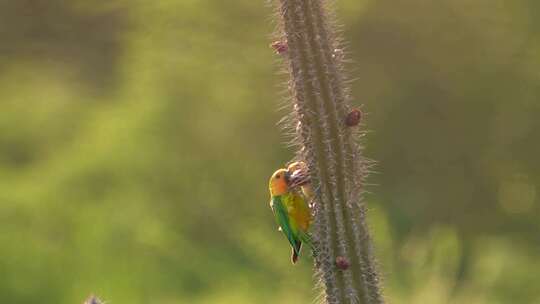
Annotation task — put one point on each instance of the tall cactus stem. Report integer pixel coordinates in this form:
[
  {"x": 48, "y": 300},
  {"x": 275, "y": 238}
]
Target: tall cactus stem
[{"x": 343, "y": 252}]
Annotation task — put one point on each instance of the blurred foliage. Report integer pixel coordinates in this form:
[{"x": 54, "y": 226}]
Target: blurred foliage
[{"x": 136, "y": 139}]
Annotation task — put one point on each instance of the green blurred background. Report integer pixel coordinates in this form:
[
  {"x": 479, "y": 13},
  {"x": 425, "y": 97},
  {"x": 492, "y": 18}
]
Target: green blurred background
[{"x": 137, "y": 137}]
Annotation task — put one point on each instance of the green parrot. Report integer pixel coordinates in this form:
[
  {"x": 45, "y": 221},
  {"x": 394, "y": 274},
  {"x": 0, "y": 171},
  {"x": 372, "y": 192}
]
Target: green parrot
[{"x": 291, "y": 211}]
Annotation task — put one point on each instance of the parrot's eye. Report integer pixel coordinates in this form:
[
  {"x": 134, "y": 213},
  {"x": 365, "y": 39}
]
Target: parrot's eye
[{"x": 278, "y": 176}]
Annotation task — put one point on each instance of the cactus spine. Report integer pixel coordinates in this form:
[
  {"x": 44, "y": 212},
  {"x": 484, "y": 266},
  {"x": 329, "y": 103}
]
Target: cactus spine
[{"x": 344, "y": 264}]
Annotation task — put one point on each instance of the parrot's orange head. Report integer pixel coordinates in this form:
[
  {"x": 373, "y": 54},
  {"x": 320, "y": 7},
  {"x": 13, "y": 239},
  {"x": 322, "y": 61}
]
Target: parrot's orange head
[{"x": 279, "y": 182}]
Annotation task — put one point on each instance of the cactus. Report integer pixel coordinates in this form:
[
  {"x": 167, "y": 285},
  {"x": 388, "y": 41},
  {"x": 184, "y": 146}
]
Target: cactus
[{"x": 328, "y": 142}]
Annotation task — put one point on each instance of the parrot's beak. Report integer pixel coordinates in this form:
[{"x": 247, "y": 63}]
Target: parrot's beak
[
  {"x": 287, "y": 177},
  {"x": 298, "y": 178}
]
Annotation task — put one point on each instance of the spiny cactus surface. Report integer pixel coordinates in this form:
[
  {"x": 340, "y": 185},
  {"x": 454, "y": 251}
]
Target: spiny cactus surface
[{"x": 327, "y": 135}]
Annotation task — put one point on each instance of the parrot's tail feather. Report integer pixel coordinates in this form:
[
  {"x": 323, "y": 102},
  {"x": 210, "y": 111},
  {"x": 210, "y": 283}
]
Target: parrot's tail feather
[
  {"x": 296, "y": 252},
  {"x": 294, "y": 257},
  {"x": 298, "y": 247}
]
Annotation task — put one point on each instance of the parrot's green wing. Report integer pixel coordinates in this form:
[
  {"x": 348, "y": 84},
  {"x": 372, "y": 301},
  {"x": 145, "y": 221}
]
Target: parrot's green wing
[
  {"x": 303, "y": 207},
  {"x": 282, "y": 219}
]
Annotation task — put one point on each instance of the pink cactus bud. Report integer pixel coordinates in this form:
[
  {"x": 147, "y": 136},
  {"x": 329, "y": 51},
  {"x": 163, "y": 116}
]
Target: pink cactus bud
[
  {"x": 353, "y": 118},
  {"x": 342, "y": 263},
  {"x": 280, "y": 47}
]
